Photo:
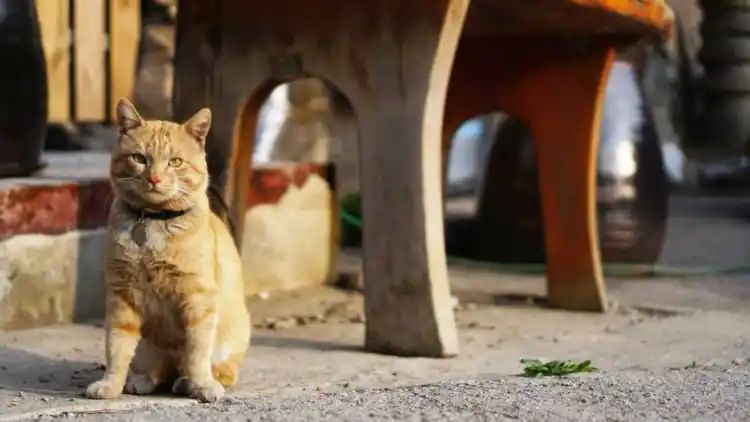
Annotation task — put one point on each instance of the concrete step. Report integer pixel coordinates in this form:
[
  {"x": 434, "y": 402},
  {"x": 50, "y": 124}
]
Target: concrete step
[{"x": 51, "y": 241}]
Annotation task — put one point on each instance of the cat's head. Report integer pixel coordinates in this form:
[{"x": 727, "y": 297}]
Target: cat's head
[{"x": 159, "y": 164}]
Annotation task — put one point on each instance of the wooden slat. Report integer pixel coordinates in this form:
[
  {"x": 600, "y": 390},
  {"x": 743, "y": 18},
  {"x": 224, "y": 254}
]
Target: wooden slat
[
  {"x": 124, "y": 33},
  {"x": 90, "y": 73},
  {"x": 54, "y": 24}
]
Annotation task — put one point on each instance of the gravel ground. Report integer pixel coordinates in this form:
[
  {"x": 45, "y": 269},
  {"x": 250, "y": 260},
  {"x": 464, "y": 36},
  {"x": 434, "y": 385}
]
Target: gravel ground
[{"x": 711, "y": 393}]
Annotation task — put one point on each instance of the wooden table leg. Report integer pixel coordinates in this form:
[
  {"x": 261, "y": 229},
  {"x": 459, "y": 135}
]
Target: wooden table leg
[
  {"x": 407, "y": 297},
  {"x": 565, "y": 125},
  {"x": 557, "y": 89}
]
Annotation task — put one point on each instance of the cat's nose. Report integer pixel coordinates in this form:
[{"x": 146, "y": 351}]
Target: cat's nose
[{"x": 154, "y": 179}]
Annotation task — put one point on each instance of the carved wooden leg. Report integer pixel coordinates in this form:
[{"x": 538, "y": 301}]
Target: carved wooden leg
[
  {"x": 407, "y": 297},
  {"x": 557, "y": 89},
  {"x": 565, "y": 122}
]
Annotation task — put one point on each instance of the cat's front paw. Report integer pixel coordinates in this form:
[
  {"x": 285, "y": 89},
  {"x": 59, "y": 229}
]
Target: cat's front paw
[
  {"x": 140, "y": 384},
  {"x": 103, "y": 389},
  {"x": 206, "y": 392}
]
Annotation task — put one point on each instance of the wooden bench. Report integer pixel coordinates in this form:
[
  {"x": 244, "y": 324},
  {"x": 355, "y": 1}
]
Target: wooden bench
[{"x": 412, "y": 71}]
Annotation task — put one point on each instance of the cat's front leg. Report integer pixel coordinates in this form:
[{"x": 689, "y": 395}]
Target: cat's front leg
[
  {"x": 195, "y": 379},
  {"x": 123, "y": 335}
]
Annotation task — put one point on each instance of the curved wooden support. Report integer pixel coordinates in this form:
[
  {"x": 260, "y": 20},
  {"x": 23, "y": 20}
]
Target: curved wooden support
[
  {"x": 407, "y": 295},
  {"x": 557, "y": 88},
  {"x": 566, "y": 135},
  {"x": 391, "y": 59}
]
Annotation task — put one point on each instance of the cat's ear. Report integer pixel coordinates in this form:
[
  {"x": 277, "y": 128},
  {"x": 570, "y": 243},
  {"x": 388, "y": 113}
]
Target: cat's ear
[
  {"x": 127, "y": 115},
  {"x": 199, "y": 125}
]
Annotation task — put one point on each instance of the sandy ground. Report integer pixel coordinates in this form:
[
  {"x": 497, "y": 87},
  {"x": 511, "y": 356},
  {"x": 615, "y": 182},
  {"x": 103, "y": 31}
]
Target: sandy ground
[
  {"x": 694, "y": 394},
  {"x": 674, "y": 349}
]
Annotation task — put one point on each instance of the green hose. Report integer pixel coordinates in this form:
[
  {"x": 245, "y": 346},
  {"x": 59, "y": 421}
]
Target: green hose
[
  {"x": 351, "y": 220},
  {"x": 610, "y": 269}
]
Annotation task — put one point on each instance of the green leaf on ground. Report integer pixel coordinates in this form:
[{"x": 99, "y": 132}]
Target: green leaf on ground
[{"x": 536, "y": 368}]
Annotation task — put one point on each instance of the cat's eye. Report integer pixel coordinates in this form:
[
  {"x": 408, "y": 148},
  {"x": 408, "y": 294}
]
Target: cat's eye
[
  {"x": 138, "y": 158},
  {"x": 175, "y": 162}
]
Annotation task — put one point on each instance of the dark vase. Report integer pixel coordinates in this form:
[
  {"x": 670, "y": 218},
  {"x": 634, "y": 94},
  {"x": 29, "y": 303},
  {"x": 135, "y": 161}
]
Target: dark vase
[
  {"x": 23, "y": 89},
  {"x": 632, "y": 186}
]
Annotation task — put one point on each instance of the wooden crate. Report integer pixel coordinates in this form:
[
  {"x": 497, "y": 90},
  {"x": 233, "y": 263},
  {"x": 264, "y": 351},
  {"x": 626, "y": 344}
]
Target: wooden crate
[{"x": 91, "y": 48}]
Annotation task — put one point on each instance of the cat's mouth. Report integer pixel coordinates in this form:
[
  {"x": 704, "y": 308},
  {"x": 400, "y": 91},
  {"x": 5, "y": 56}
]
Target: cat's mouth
[
  {"x": 157, "y": 193},
  {"x": 143, "y": 193}
]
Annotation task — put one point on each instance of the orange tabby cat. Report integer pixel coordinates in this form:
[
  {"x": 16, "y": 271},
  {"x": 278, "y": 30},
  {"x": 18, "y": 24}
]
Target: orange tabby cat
[{"x": 175, "y": 298}]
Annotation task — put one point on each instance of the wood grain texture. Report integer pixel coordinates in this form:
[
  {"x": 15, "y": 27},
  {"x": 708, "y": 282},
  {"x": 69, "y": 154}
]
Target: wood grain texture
[
  {"x": 407, "y": 298},
  {"x": 124, "y": 35},
  {"x": 89, "y": 60},
  {"x": 54, "y": 25}
]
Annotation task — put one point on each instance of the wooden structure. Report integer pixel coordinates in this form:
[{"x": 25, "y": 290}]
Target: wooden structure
[
  {"x": 544, "y": 60},
  {"x": 91, "y": 48}
]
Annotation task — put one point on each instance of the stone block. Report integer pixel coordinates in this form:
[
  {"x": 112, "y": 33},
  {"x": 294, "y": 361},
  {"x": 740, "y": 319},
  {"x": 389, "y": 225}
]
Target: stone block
[
  {"x": 290, "y": 228},
  {"x": 51, "y": 279}
]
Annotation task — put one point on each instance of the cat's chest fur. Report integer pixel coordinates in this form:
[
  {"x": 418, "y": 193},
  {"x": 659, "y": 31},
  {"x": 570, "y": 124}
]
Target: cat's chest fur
[
  {"x": 147, "y": 252},
  {"x": 143, "y": 238}
]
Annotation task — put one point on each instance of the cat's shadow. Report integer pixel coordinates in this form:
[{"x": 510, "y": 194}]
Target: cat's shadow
[
  {"x": 277, "y": 342},
  {"x": 28, "y": 372}
]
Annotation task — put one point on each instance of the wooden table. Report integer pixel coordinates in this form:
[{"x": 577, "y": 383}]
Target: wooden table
[{"x": 543, "y": 60}]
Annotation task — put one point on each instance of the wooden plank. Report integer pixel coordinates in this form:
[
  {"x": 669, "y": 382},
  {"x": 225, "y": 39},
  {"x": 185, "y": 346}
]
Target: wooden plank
[
  {"x": 124, "y": 35},
  {"x": 89, "y": 47},
  {"x": 54, "y": 22}
]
